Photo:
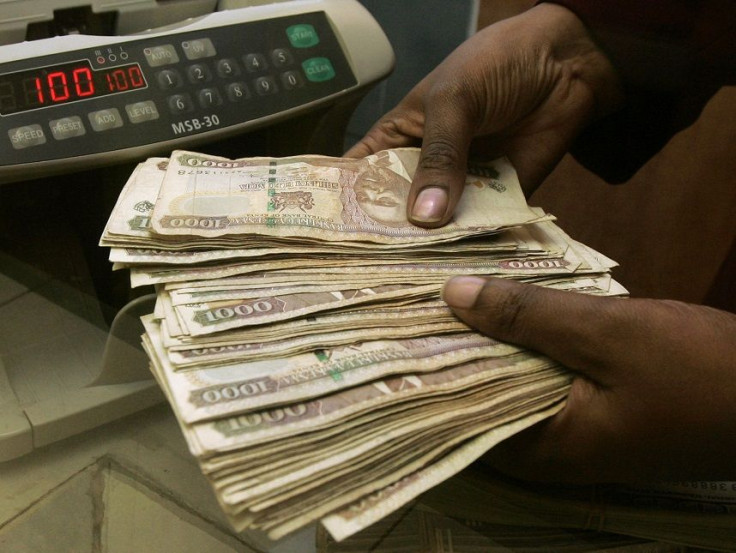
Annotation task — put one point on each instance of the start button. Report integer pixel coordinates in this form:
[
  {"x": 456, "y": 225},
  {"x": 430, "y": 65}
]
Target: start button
[{"x": 302, "y": 35}]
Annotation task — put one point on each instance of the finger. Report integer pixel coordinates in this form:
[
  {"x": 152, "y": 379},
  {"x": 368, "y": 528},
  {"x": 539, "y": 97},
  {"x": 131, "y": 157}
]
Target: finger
[
  {"x": 402, "y": 126},
  {"x": 393, "y": 131},
  {"x": 578, "y": 330},
  {"x": 440, "y": 176}
]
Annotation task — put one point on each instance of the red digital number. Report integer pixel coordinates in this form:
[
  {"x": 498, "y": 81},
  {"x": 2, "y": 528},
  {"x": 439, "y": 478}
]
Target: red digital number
[
  {"x": 136, "y": 77},
  {"x": 39, "y": 90},
  {"x": 83, "y": 83},
  {"x": 58, "y": 86},
  {"x": 123, "y": 79}
]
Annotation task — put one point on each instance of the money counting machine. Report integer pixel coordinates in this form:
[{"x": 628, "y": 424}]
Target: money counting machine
[{"x": 88, "y": 88}]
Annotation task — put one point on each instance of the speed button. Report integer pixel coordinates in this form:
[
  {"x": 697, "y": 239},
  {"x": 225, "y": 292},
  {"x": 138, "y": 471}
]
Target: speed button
[{"x": 23, "y": 137}]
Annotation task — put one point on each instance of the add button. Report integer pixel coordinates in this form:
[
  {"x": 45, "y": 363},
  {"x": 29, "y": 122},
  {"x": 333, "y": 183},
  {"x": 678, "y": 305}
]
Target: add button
[
  {"x": 302, "y": 35},
  {"x": 318, "y": 69}
]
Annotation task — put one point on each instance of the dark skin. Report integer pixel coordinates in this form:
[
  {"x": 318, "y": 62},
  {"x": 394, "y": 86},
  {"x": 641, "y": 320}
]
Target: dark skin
[{"x": 655, "y": 393}]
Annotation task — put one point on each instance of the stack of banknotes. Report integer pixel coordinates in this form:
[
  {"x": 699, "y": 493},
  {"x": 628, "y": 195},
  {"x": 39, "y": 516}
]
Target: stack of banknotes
[
  {"x": 300, "y": 336},
  {"x": 481, "y": 510}
]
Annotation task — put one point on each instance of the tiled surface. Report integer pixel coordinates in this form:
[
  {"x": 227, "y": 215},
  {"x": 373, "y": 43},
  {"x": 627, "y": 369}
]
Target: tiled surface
[{"x": 130, "y": 486}]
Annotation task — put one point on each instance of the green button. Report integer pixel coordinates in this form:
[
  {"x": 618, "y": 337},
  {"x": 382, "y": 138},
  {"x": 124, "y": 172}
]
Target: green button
[
  {"x": 302, "y": 35},
  {"x": 318, "y": 69}
]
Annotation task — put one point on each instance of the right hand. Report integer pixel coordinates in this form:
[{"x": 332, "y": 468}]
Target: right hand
[
  {"x": 523, "y": 88},
  {"x": 654, "y": 393}
]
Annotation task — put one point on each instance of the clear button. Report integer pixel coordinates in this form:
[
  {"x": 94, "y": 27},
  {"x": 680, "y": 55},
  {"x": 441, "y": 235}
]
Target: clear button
[{"x": 318, "y": 69}]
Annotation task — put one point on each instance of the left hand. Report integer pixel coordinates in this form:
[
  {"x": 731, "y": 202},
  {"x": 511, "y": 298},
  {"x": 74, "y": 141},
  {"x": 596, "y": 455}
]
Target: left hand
[
  {"x": 523, "y": 88},
  {"x": 655, "y": 393}
]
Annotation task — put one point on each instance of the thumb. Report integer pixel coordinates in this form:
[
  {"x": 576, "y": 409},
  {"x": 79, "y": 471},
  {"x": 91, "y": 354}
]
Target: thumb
[
  {"x": 440, "y": 175},
  {"x": 565, "y": 326}
]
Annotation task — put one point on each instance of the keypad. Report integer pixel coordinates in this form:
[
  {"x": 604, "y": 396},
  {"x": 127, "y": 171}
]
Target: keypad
[
  {"x": 269, "y": 73},
  {"x": 193, "y": 83}
]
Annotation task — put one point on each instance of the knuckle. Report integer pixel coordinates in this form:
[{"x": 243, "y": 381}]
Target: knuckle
[
  {"x": 448, "y": 90},
  {"x": 440, "y": 155},
  {"x": 399, "y": 124},
  {"x": 510, "y": 313}
]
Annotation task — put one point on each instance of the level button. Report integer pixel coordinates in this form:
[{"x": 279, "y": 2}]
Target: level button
[
  {"x": 24, "y": 137},
  {"x": 142, "y": 111},
  {"x": 302, "y": 35},
  {"x": 318, "y": 69}
]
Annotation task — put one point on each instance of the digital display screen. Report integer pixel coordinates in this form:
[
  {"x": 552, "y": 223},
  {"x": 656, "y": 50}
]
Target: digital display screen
[{"x": 65, "y": 83}]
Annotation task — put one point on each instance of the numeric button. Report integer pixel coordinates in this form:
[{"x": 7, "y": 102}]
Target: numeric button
[
  {"x": 265, "y": 86},
  {"x": 282, "y": 57},
  {"x": 292, "y": 79},
  {"x": 199, "y": 73},
  {"x": 227, "y": 67},
  {"x": 237, "y": 92},
  {"x": 180, "y": 103},
  {"x": 255, "y": 62},
  {"x": 209, "y": 97},
  {"x": 168, "y": 78}
]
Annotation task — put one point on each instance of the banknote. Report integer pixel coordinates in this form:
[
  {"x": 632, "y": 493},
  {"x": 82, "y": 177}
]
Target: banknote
[
  {"x": 131, "y": 214},
  {"x": 209, "y": 317},
  {"x": 330, "y": 199},
  {"x": 295, "y": 511},
  {"x": 299, "y": 335},
  {"x": 291, "y": 506},
  {"x": 334, "y": 409},
  {"x": 387, "y": 442},
  {"x": 351, "y": 519},
  {"x": 242, "y": 387},
  {"x": 287, "y": 347},
  {"x": 523, "y": 267},
  {"x": 423, "y": 312}
]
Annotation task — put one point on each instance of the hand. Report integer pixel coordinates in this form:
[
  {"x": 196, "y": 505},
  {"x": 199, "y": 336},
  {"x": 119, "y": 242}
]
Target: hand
[
  {"x": 526, "y": 85},
  {"x": 655, "y": 393}
]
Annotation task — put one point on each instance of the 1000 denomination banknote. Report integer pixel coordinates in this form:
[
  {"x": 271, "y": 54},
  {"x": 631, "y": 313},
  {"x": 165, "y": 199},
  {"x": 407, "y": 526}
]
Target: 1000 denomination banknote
[
  {"x": 367, "y": 510},
  {"x": 325, "y": 198},
  {"x": 379, "y": 396},
  {"x": 209, "y": 317},
  {"x": 201, "y": 394}
]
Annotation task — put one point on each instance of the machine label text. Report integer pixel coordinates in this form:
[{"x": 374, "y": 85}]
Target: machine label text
[{"x": 195, "y": 124}]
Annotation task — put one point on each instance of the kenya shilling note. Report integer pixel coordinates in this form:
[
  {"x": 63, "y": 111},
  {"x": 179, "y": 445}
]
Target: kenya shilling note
[{"x": 325, "y": 198}]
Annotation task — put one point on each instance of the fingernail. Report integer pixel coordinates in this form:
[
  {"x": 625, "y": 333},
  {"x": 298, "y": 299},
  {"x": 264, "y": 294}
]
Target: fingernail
[
  {"x": 462, "y": 291},
  {"x": 430, "y": 205}
]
